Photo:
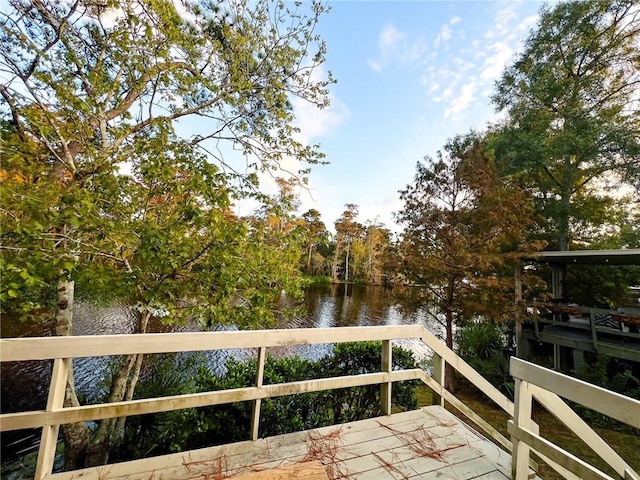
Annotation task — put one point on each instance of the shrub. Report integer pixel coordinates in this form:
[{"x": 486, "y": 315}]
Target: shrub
[
  {"x": 195, "y": 428},
  {"x": 485, "y": 346}
]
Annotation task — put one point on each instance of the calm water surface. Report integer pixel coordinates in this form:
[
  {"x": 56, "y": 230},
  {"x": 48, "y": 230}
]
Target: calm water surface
[{"x": 24, "y": 385}]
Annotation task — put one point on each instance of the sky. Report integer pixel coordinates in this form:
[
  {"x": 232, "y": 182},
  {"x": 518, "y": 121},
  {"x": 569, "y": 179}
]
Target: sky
[{"x": 410, "y": 75}]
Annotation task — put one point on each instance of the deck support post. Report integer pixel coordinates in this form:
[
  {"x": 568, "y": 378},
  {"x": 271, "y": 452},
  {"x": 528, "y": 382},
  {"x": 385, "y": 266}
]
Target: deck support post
[
  {"x": 49, "y": 439},
  {"x": 255, "y": 418},
  {"x": 438, "y": 375},
  {"x": 521, "y": 418},
  {"x": 517, "y": 275},
  {"x": 385, "y": 388}
]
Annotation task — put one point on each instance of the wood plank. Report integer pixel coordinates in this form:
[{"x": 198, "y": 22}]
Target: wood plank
[
  {"x": 521, "y": 418},
  {"x": 614, "y": 405},
  {"x": 467, "y": 371},
  {"x": 631, "y": 475},
  {"x": 559, "y": 409},
  {"x": 555, "y": 453},
  {"x": 84, "y": 413},
  {"x": 255, "y": 417},
  {"x": 275, "y": 450},
  {"x": 438, "y": 377},
  {"x": 49, "y": 437},
  {"x": 364, "y": 446},
  {"x": 460, "y": 406},
  {"x": 473, "y": 468},
  {"x": 385, "y": 388},
  {"x": 308, "y": 470},
  {"x": 44, "y": 348}
]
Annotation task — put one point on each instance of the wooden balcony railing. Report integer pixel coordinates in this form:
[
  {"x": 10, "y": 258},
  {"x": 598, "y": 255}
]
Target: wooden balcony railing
[
  {"x": 546, "y": 386},
  {"x": 62, "y": 350}
]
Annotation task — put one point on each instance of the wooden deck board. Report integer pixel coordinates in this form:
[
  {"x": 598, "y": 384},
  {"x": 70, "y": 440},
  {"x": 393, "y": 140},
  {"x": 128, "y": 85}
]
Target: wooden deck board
[{"x": 425, "y": 443}]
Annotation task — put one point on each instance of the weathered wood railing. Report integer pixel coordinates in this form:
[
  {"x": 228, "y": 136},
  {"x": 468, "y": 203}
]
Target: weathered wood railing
[
  {"x": 546, "y": 386},
  {"x": 63, "y": 349}
]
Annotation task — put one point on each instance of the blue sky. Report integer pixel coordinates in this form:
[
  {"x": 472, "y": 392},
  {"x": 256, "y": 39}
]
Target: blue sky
[{"x": 410, "y": 75}]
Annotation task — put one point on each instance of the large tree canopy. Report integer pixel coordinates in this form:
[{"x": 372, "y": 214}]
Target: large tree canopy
[
  {"x": 104, "y": 194},
  {"x": 573, "y": 108},
  {"x": 463, "y": 224}
]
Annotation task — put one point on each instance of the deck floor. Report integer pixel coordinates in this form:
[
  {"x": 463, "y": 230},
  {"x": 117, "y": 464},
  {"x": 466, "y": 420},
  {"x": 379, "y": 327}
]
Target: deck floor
[{"x": 425, "y": 443}]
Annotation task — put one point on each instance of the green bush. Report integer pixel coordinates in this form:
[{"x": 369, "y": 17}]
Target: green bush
[
  {"x": 195, "y": 428},
  {"x": 485, "y": 346}
]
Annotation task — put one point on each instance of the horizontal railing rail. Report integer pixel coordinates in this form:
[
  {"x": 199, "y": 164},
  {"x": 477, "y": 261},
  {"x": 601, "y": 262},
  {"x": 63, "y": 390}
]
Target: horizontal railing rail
[
  {"x": 46, "y": 348},
  {"x": 547, "y": 387}
]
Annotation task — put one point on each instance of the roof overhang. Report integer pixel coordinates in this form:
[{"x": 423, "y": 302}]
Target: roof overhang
[{"x": 630, "y": 256}]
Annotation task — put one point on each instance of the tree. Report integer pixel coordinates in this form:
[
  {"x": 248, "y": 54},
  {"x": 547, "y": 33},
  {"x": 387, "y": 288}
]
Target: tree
[
  {"x": 93, "y": 92},
  {"x": 376, "y": 241},
  {"x": 317, "y": 236},
  {"x": 347, "y": 230},
  {"x": 573, "y": 110},
  {"x": 462, "y": 225}
]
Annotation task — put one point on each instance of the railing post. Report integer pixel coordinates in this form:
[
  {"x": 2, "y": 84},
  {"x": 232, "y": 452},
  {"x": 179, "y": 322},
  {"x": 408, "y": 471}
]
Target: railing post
[
  {"x": 385, "y": 389},
  {"x": 49, "y": 439},
  {"x": 522, "y": 418},
  {"x": 517, "y": 274},
  {"x": 255, "y": 422},
  {"x": 438, "y": 376}
]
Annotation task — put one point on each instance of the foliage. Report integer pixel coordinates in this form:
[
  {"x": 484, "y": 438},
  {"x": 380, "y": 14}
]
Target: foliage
[
  {"x": 167, "y": 375},
  {"x": 101, "y": 194},
  {"x": 348, "y": 230},
  {"x": 613, "y": 374},
  {"x": 486, "y": 346},
  {"x": 463, "y": 225},
  {"x": 188, "y": 429},
  {"x": 571, "y": 99},
  {"x": 317, "y": 237}
]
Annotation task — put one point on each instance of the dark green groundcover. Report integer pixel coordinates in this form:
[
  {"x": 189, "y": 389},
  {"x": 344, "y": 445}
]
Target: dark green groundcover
[{"x": 156, "y": 434}]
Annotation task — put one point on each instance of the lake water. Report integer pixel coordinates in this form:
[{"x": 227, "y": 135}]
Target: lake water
[{"x": 24, "y": 385}]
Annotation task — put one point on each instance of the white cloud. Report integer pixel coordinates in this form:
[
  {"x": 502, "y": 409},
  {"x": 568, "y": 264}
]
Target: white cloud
[
  {"x": 390, "y": 36},
  {"x": 394, "y": 47},
  {"x": 495, "y": 61},
  {"x": 502, "y": 22},
  {"x": 444, "y": 35},
  {"x": 313, "y": 124},
  {"x": 463, "y": 100},
  {"x": 455, "y": 20},
  {"x": 375, "y": 66}
]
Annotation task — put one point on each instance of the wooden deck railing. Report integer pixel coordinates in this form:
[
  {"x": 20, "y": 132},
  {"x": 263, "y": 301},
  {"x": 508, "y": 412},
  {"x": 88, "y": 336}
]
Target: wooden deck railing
[
  {"x": 546, "y": 386},
  {"x": 63, "y": 349}
]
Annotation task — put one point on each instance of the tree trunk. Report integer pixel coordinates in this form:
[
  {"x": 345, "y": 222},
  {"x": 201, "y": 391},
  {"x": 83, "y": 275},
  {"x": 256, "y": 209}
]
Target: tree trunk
[
  {"x": 334, "y": 267},
  {"x": 311, "y": 248},
  {"x": 123, "y": 383},
  {"x": 75, "y": 435},
  {"x": 449, "y": 374},
  {"x": 346, "y": 265}
]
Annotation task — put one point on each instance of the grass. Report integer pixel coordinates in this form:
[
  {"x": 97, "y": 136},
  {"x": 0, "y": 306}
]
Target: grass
[
  {"x": 318, "y": 279},
  {"x": 624, "y": 441}
]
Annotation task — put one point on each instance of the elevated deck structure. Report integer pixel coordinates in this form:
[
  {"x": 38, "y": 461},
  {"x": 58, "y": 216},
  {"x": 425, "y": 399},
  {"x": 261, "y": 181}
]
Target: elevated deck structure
[
  {"x": 573, "y": 329},
  {"x": 426, "y": 443}
]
